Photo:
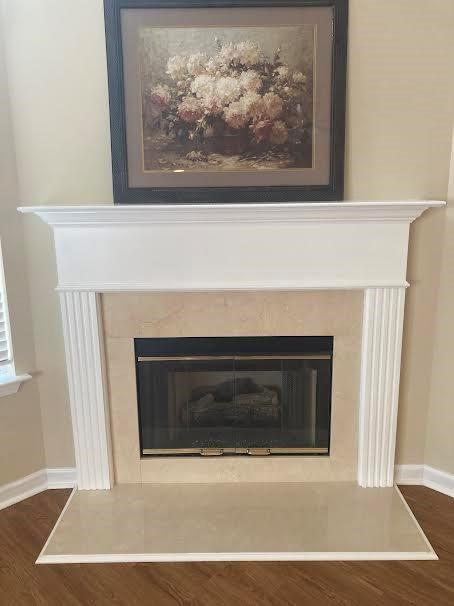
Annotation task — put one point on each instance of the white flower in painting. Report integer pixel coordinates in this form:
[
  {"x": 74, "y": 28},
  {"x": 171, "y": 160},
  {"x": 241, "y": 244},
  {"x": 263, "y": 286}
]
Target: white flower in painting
[
  {"x": 282, "y": 71},
  {"x": 235, "y": 115},
  {"x": 248, "y": 53},
  {"x": 228, "y": 89},
  {"x": 183, "y": 85},
  {"x": 299, "y": 78},
  {"x": 196, "y": 63},
  {"x": 211, "y": 66},
  {"x": 177, "y": 67},
  {"x": 279, "y": 133},
  {"x": 203, "y": 86},
  {"x": 216, "y": 67},
  {"x": 227, "y": 53},
  {"x": 238, "y": 113},
  {"x": 250, "y": 80},
  {"x": 251, "y": 102}
]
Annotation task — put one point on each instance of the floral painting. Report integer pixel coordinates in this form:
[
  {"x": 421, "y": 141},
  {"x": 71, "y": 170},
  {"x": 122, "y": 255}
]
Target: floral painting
[{"x": 238, "y": 98}]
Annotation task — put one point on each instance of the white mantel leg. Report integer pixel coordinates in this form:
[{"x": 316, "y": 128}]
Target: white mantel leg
[
  {"x": 84, "y": 359},
  {"x": 379, "y": 389}
]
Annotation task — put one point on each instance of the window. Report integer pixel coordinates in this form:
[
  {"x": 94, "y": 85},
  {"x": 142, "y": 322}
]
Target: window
[
  {"x": 9, "y": 381},
  {"x": 5, "y": 341}
]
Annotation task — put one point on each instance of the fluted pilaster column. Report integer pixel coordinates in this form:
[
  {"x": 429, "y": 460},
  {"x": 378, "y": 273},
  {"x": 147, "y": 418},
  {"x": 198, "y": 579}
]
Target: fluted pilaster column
[
  {"x": 89, "y": 411},
  {"x": 379, "y": 389}
]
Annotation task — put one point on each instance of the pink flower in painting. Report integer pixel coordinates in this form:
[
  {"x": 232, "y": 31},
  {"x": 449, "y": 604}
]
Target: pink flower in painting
[
  {"x": 190, "y": 109},
  {"x": 160, "y": 96},
  {"x": 272, "y": 106},
  {"x": 212, "y": 105},
  {"x": 269, "y": 107}
]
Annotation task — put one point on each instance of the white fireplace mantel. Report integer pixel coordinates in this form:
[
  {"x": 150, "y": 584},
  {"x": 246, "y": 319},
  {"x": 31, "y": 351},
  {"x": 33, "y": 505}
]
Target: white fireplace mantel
[
  {"x": 231, "y": 247},
  {"x": 348, "y": 245}
]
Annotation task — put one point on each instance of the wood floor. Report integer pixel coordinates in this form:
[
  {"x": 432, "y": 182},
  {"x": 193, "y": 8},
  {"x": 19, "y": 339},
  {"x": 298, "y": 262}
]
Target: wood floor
[{"x": 24, "y": 528}]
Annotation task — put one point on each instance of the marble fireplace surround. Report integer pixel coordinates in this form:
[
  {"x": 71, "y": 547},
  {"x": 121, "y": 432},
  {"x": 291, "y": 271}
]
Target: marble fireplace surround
[
  {"x": 347, "y": 246},
  {"x": 260, "y": 313}
]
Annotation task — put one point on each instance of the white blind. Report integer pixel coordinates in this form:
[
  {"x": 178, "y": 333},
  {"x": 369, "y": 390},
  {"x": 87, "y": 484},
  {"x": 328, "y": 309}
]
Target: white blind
[{"x": 5, "y": 349}]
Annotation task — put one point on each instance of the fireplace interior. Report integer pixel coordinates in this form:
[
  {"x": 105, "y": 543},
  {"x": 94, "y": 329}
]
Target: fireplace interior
[{"x": 234, "y": 395}]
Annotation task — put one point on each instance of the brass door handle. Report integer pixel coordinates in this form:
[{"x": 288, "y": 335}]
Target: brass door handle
[
  {"x": 258, "y": 452},
  {"x": 211, "y": 452}
]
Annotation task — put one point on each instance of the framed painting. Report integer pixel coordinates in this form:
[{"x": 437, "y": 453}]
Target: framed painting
[{"x": 226, "y": 100}]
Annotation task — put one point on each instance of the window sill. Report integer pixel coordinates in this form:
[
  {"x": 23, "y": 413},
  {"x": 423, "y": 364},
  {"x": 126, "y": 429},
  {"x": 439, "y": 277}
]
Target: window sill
[{"x": 10, "y": 384}]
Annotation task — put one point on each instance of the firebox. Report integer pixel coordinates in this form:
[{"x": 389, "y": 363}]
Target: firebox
[{"x": 213, "y": 396}]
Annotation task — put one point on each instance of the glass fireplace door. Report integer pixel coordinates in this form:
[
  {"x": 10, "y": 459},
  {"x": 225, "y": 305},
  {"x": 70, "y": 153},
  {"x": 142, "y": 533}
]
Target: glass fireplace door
[
  {"x": 251, "y": 404},
  {"x": 184, "y": 405}
]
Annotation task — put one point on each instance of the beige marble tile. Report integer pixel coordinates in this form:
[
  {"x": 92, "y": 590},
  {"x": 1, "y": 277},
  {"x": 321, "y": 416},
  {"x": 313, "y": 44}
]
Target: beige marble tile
[
  {"x": 232, "y": 313},
  {"x": 235, "y": 521},
  {"x": 129, "y": 315},
  {"x": 124, "y": 421},
  {"x": 246, "y": 469}
]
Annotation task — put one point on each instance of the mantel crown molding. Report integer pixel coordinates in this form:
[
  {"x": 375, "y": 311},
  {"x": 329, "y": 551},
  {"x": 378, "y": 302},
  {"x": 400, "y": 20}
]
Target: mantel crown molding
[
  {"x": 231, "y": 246},
  {"x": 292, "y": 212}
]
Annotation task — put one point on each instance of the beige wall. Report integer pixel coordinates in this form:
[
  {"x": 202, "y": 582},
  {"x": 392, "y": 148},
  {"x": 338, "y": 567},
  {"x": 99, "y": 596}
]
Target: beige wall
[
  {"x": 439, "y": 447},
  {"x": 58, "y": 90},
  {"x": 21, "y": 439},
  {"x": 400, "y": 115}
]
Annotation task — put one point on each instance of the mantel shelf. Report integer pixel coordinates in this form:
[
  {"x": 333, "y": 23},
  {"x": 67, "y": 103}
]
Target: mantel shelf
[
  {"x": 299, "y": 212},
  {"x": 232, "y": 246}
]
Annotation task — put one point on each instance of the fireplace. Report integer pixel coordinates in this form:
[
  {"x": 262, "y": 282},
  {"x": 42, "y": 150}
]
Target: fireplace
[
  {"x": 212, "y": 396},
  {"x": 160, "y": 358},
  {"x": 353, "y": 287}
]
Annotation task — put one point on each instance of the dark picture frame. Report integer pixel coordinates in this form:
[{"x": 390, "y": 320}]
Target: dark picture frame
[{"x": 125, "y": 193}]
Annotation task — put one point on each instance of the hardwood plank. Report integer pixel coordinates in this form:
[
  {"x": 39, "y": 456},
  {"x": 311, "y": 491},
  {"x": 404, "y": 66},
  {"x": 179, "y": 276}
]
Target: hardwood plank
[{"x": 24, "y": 528}]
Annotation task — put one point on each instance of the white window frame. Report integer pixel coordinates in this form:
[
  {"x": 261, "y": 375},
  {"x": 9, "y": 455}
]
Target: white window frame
[{"x": 10, "y": 382}]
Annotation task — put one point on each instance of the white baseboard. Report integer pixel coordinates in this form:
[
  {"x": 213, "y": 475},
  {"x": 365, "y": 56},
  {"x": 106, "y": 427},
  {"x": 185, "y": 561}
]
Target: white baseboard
[
  {"x": 23, "y": 488},
  {"x": 36, "y": 482},
  {"x": 424, "y": 475},
  {"x": 409, "y": 474},
  {"x": 439, "y": 480},
  {"x": 65, "y": 477},
  {"x": 61, "y": 477}
]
